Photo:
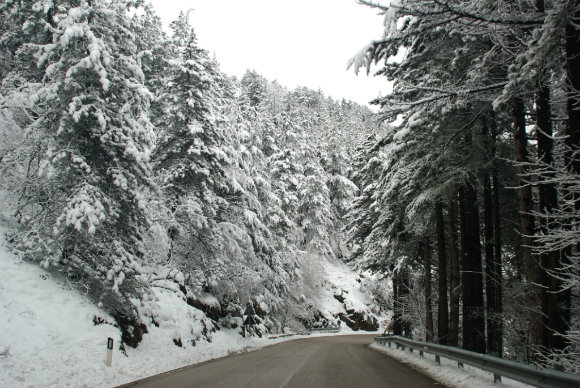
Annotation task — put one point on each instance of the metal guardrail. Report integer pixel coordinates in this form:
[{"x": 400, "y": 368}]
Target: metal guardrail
[
  {"x": 528, "y": 374},
  {"x": 282, "y": 335},
  {"x": 329, "y": 329}
]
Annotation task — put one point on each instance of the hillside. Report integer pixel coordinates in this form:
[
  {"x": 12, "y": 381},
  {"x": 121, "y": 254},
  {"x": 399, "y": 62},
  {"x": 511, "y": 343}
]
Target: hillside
[{"x": 53, "y": 336}]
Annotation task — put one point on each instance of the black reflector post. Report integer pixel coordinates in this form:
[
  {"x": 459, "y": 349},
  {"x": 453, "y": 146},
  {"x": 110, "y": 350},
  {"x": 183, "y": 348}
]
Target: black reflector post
[{"x": 109, "y": 359}]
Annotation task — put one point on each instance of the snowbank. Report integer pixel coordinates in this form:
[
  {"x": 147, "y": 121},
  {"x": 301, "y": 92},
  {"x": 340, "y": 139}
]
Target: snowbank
[
  {"x": 47, "y": 334},
  {"x": 447, "y": 373}
]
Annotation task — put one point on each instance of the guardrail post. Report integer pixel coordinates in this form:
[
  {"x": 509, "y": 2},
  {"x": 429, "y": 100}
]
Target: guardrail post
[
  {"x": 389, "y": 344},
  {"x": 438, "y": 360},
  {"x": 410, "y": 349},
  {"x": 421, "y": 353},
  {"x": 496, "y": 378},
  {"x": 459, "y": 364}
]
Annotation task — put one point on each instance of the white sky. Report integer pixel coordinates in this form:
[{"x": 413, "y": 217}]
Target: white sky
[{"x": 296, "y": 42}]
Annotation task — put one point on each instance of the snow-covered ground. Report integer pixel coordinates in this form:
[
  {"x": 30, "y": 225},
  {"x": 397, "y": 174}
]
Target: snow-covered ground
[
  {"x": 448, "y": 373},
  {"x": 335, "y": 288},
  {"x": 48, "y": 337},
  {"x": 335, "y": 278},
  {"x": 345, "y": 282}
]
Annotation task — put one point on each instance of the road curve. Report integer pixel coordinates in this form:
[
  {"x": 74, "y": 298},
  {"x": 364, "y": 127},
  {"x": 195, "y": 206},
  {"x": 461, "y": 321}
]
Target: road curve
[{"x": 338, "y": 361}]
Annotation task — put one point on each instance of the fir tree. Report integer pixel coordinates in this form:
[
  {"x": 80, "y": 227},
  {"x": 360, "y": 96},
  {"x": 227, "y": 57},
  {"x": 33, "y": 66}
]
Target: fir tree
[{"x": 92, "y": 110}]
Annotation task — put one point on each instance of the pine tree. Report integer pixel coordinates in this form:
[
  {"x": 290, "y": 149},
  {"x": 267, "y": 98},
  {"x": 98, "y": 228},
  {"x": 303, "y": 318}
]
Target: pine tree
[
  {"x": 315, "y": 217},
  {"x": 192, "y": 155},
  {"x": 92, "y": 110}
]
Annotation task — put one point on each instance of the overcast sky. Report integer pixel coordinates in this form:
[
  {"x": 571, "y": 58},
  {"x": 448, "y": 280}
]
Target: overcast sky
[{"x": 297, "y": 42}]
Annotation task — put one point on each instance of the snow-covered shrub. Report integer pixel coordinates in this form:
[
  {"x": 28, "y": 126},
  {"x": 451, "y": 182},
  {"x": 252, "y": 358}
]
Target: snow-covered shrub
[{"x": 173, "y": 318}]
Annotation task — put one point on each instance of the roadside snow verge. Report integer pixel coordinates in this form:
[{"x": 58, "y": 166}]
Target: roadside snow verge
[{"x": 447, "y": 373}]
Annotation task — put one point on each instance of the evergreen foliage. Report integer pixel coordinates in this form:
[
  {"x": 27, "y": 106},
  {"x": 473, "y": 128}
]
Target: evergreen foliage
[
  {"x": 142, "y": 173},
  {"x": 471, "y": 76}
]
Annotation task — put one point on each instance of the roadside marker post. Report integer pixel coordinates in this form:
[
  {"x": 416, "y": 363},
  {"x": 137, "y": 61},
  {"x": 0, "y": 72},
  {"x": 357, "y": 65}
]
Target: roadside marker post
[
  {"x": 250, "y": 321},
  {"x": 109, "y": 359}
]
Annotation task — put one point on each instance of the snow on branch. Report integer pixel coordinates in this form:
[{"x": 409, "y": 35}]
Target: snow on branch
[
  {"x": 385, "y": 48},
  {"x": 464, "y": 13},
  {"x": 397, "y": 107},
  {"x": 373, "y": 5}
]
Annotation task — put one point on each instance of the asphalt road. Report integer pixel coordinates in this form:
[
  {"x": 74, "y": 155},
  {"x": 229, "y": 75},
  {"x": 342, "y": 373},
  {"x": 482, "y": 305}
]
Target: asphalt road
[{"x": 339, "y": 361}]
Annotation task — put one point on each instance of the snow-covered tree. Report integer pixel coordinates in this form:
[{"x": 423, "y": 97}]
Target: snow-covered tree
[
  {"x": 471, "y": 73},
  {"x": 192, "y": 154},
  {"x": 91, "y": 112}
]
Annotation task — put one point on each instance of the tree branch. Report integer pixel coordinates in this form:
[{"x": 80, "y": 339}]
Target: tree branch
[{"x": 487, "y": 19}]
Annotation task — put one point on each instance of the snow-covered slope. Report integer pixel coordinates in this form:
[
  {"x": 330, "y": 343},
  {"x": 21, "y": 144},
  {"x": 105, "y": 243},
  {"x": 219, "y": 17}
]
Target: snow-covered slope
[
  {"x": 52, "y": 336},
  {"x": 47, "y": 334},
  {"x": 335, "y": 290}
]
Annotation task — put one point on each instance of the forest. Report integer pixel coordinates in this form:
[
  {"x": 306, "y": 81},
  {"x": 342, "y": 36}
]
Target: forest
[
  {"x": 139, "y": 172},
  {"x": 133, "y": 164},
  {"x": 471, "y": 204}
]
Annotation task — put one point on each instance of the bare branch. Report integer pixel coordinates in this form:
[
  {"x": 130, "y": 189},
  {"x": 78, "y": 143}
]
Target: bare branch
[{"x": 461, "y": 130}]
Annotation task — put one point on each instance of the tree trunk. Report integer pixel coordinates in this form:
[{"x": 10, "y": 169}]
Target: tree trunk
[
  {"x": 498, "y": 282},
  {"x": 428, "y": 309},
  {"x": 490, "y": 270},
  {"x": 442, "y": 311},
  {"x": 553, "y": 306},
  {"x": 398, "y": 326},
  {"x": 471, "y": 272},
  {"x": 404, "y": 288},
  {"x": 532, "y": 270},
  {"x": 454, "y": 278},
  {"x": 554, "y": 299}
]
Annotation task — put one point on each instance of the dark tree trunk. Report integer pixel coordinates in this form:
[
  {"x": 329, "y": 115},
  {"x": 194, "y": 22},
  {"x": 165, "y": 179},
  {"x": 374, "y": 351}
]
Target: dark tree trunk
[
  {"x": 471, "y": 272},
  {"x": 498, "y": 277},
  {"x": 554, "y": 299},
  {"x": 404, "y": 288},
  {"x": 172, "y": 233},
  {"x": 533, "y": 271},
  {"x": 498, "y": 265},
  {"x": 428, "y": 309},
  {"x": 454, "y": 279},
  {"x": 398, "y": 325},
  {"x": 443, "y": 310},
  {"x": 553, "y": 303},
  {"x": 490, "y": 270}
]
